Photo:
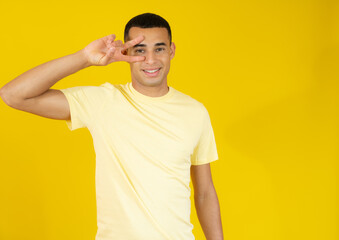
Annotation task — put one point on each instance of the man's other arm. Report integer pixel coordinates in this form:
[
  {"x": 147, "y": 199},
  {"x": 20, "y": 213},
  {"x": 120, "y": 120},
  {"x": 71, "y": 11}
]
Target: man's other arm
[{"x": 206, "y": 202}]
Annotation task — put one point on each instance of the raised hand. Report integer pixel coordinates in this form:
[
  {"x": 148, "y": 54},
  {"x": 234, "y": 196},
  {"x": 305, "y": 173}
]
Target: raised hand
[{"x": 104, "y": 51}]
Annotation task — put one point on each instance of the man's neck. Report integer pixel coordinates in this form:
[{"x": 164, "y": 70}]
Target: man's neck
[{"x": 151, "y": 91}]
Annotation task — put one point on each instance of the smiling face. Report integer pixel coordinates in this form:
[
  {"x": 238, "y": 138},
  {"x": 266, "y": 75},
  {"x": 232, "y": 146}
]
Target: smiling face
[{"x": 158, "y": 52}]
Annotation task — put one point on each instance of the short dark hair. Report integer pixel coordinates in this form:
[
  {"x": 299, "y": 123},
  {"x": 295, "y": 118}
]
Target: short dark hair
[{"x": 147, "y": 20}]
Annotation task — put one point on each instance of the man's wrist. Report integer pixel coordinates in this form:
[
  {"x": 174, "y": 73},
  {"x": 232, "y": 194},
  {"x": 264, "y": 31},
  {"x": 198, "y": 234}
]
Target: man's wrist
[{"x": 83, "y": 59}]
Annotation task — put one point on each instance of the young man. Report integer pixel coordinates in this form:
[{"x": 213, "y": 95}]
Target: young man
[{"x": 149, "y": 138}]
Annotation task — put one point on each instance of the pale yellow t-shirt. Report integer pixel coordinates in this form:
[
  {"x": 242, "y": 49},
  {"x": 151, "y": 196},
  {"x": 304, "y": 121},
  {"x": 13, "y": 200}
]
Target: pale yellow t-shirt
[{"x": 144, "y": 149}]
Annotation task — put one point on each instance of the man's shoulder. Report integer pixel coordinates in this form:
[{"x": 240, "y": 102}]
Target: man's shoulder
[
  {"x": 100, "y": 89},
  {"x": 118, "y": 87},
  {"x": 91, "y": 91},
  {"x": 91, "y": 87},
  {"x": 107, "y": 85},
  {"x": 189, "y": 99}
]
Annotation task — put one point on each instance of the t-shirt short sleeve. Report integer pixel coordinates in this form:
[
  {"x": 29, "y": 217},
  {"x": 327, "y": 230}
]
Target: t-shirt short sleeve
[
  {"x": 80, "y": 106},
  {"x": 206, "y": 149}
]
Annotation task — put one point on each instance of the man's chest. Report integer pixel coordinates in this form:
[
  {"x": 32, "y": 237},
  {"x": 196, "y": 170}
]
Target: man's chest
[{"x": 167, "y": 134}]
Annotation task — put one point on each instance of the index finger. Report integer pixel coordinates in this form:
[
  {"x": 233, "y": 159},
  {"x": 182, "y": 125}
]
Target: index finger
[{"x": 133, "y": 42}]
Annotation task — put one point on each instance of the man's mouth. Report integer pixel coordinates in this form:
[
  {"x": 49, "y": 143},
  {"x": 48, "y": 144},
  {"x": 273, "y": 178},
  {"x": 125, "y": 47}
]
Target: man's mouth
[{"x": 151, "y": 72}]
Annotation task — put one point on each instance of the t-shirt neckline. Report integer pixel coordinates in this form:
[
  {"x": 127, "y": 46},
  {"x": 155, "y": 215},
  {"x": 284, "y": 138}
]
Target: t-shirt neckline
[{"x": 148, "y": 98}]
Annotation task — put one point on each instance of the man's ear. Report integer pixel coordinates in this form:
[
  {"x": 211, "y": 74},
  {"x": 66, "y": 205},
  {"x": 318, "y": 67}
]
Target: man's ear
[{"x": 172, "y": 50}]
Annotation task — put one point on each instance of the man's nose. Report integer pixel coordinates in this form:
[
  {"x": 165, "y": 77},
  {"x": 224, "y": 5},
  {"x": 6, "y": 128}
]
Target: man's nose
[{"x": 150, "y": 58}]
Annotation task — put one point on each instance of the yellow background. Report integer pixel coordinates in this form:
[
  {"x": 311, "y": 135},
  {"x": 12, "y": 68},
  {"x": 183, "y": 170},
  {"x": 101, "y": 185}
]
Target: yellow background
[{"x": 267, "y": 71}]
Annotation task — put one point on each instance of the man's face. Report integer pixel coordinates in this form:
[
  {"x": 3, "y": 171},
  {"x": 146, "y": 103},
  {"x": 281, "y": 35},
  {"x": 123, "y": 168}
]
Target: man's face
[{"x": 158, "y": 54}]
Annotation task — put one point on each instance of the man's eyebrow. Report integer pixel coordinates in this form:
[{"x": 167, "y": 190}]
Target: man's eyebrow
[
  {"x": 160, "y": 44},
  {"x": 144, "y": 45},
  {"x": 139, "y": 45}
]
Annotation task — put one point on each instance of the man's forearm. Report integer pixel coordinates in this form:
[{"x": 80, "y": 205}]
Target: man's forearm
[
  {"x": 39, "y": 79},
  {"x": 208, "y": 212}
]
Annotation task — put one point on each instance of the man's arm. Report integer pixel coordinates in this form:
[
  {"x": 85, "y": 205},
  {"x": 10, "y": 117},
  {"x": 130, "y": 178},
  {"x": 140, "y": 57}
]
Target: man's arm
[
  {"x": 31, "y": 91},
  {"x": 206, "y": 202}
]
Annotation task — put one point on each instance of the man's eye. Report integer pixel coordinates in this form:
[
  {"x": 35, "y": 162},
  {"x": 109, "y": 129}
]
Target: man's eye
[
  {"x": 139, "y": 51},
  {"x": 160, "y": 49}
]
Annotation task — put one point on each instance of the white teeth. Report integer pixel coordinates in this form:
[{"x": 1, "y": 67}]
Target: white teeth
[{"x": 151, "y": 71}]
